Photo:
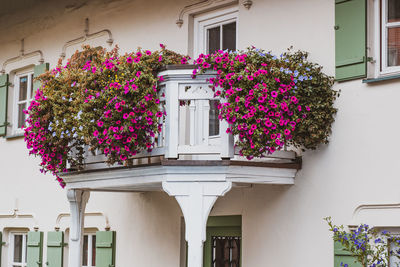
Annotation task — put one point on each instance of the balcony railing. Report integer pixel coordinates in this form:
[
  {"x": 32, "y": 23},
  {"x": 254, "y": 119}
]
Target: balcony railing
[{"x": 191, "y": 130}]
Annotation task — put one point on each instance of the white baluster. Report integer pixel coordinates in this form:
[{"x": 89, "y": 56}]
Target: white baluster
[
  {"x": 206, "y": 121},
  {"x": 192, "y": 112}
]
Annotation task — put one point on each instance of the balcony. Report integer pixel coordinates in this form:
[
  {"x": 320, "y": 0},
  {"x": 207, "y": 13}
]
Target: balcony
[
  {"x": 194, "y": 160},
  {"x": 193, "y": 145}
]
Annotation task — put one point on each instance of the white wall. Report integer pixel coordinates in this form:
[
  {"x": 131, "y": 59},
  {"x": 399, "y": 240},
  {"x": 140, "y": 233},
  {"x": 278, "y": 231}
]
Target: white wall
[{"x": 282, "y": 225}]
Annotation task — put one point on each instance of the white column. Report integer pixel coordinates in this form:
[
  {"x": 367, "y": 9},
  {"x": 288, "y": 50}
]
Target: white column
[
  {"x": 77, "y": 200},
  {"x": 196, "y": 200}
]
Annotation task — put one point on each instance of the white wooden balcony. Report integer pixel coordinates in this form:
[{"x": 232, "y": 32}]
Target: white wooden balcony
[
  {"x": 194, "y": 161},
  {"x": 192, "y": 140}
]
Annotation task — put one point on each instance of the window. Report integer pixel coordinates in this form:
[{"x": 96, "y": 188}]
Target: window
[
  {"x": 18, "y": 249},
  {"x": 89, "y": 250},
  {"x": 214, "y": 31},
  {"x": 23, "y": 88},
  {"x": 390, "y": 36}
]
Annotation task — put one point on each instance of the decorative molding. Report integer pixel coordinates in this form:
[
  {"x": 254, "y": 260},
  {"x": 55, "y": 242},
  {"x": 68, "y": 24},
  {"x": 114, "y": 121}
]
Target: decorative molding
[
  {"x": 22, "y": 55},
  {"x": 87, "y": 36},
  {"x": 376, "y": 215},
  {"x": 16, "y": 219},
  {"x": 101, "y": 221},
  {"x": 247, "y": 4},
  {"x": 202, "y": 6}
]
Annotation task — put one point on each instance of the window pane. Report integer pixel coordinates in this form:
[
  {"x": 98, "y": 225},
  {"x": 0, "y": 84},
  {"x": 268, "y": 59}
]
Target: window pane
[
  {"x": 21, "y": 115},
  {"x": 214, "y": 39},
  {"x": 93, "y": 250},
  {"x": 23, "y": 85},
  {"x": 85, "y": 250},
  {"x": 393, "y": 11},
  {"x": 31, "y": 86},
  {"x": 229, "y": 36},
  {"x": 213, "y": 118},
  {"x": 393, "y": 47},
  {"x": 17, "y": 248}
]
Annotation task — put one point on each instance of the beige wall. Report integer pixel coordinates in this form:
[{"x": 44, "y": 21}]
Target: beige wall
[{"x": 282, "y": 225}]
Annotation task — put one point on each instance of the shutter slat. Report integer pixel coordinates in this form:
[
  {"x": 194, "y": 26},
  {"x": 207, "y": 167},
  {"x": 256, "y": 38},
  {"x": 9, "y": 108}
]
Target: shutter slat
[
  {"x": 35, "y": 249},
  {"x": 105, "y": 248},
  {"x": 350, "y": 42},
  {"x": 3, "y": 103},
  {"x": 345, "y": 257},
  {"x": 55, "y": 249}
]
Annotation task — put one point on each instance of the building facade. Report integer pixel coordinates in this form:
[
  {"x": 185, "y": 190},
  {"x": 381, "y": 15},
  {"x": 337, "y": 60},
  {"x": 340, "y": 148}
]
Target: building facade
[{"x": 267, "y": 216}]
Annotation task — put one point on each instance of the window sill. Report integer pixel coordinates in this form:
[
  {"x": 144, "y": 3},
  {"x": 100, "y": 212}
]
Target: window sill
[
  {"x": 14, "y": 136},
  {"x": 381, "y": 79}
]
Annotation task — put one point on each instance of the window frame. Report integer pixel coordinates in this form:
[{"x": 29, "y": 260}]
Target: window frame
[
  {"x": 29, "y": 73},
  {"x": 381, "y": 40},
  {"x": 11, "y": 262},
  {"x": 90, "y": 251},
  {"x": 205, "y": 21}
]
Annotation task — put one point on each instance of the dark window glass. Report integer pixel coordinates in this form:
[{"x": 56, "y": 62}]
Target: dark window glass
[
  {"x": 23, "y": 86},
  {"x": 229, "y": 36},
  {"x": 225, "y": 251},
  {"x": 17, "y": 248},
  {"x": 31, "y": 86},
  {"x": 393, "y": 48},
  {"x": 85, "y": 250},
  {"x": 213, "y": 118},
  {"x": 93, "y": 250},
  {"x": 214, "y": 39},
  {"x": 393, "y": 11}
]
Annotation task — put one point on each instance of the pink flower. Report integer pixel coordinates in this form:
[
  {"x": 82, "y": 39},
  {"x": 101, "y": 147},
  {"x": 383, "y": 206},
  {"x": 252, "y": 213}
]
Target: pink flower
[
  {"x": 96, "y": 133},
  {"x": 129, "y": 60}
]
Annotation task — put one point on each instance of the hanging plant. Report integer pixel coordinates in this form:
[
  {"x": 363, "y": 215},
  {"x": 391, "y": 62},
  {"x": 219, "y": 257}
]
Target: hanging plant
[
  {"x": 271, "y": 101},
  {"x": 98, "y": 99}
]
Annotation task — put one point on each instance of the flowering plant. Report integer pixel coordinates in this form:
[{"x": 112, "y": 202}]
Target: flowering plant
[
  {"x": 100, "y": 99},
  {"x": 271, "y": 101},
  {"x": 368, "y": 246}
]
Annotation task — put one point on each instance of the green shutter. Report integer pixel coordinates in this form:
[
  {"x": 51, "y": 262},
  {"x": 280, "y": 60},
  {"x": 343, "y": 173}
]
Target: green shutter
[
  {"x": 55, "y": 249},
  {"x": 1, "y": 244},
  {"x": 350, "y": 29},
  {"x": 105, "y": 249},
  {"x": 345, "y": 257},
  {"x": 3, "y": 103},
  {"x": 35, "y": 249},
  {"x": 39, "y": 69}
]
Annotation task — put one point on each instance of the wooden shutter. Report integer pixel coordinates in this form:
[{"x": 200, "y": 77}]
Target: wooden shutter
[
  {"x": 37, "y": 70},
  {"x": 350, "y": 29},
  {"x": 105, "y": 249},
  {"x": 1, "y": 245},
  {"x": 55, "y": 249},
  {"x": 345, "y": 257},
  {"x": 35, "y": 249},
  {"x": 3, "y": 103}
]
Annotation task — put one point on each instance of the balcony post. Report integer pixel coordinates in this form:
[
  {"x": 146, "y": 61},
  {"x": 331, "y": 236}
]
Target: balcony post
[
  {"x": 172, "y": 119},
  {"x": 196, "y": 200},
  {"x": 77, "y": 200}
]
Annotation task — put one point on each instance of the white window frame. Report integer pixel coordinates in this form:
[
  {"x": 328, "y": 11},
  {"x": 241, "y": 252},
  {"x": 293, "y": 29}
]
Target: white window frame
[
  {"x": 16, "y": 102},
  {"x": 90, "y": 252},
  {"x": 203, "y": 22},
  {"x": 380, "y": 40},
  {"x": 11, "y": 262}
]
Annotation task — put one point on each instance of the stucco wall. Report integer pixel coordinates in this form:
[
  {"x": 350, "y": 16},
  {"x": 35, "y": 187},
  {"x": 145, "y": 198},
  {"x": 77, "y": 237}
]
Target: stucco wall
[{"x": 282, "y": 225}]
